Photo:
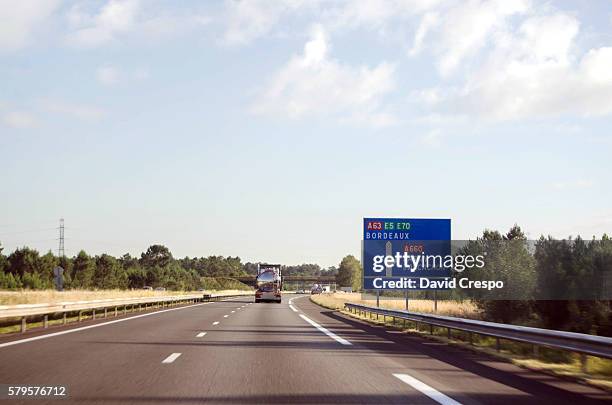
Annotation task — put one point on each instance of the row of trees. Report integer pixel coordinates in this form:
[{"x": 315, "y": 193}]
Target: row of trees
[
  {"x": 557, "y": 284},
  {"x": 26, "y": 268}
]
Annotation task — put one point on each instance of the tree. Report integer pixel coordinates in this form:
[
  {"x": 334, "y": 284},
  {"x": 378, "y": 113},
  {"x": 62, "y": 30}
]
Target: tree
[
  {"x": 83, "y": 271},
  {"x": 45, "y": 266},
  {"x": 507, "y": 259},
  {"x": 349, "y": 273},
  {"x": 571, "y": 284},
  {"x": 137, "y": 277},
  {"x": 22, "y": 261},
  {"x": 156, "y": 255},
  {"x": 9, "y": 282},
  {"x": 108, "y": 273}
]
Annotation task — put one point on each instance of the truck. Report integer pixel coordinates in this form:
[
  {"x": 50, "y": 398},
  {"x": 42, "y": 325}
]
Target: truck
[{"x": 268, "y": 283}]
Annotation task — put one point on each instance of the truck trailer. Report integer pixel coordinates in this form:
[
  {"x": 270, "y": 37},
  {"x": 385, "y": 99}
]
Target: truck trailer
[{"x": 269, "y": 283}]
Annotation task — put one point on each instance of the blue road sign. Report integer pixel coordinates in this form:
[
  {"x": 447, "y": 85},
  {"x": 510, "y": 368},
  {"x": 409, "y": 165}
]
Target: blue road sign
[{"x": 397, "y": 249}]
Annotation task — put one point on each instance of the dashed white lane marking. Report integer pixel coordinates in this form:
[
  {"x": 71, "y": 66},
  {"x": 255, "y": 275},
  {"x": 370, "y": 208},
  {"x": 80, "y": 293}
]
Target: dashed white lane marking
[
  {"x": 16, "y": 342},
  {"x": 327, "y": 332},
  {"x": 232, "y": 312},
  {"x": 216, "y": 323},
  {"x": 201, "y": 334},
  {"x": 426, "y": 389},
  {"x": 225, "y": 316},
  {"x": 171, "y": 358},
  {"x": 292, "y": 308}
]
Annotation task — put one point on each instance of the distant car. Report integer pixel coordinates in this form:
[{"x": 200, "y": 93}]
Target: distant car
[
  {"x": 160, "y": 289},
  {"x": 148, "y": 288},
  {"x": 300, "y": 292}
]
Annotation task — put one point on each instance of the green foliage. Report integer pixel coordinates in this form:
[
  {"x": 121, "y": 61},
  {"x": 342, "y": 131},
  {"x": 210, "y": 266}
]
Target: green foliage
[
  {"x": 35, "y": 282},
  {"x": 349, "y": 273},
  {"x": 8, "y": 281},
  {"x": 22, "y": 261},
  {"x": 216, "y": 266},
  {"x": 582, "y": 272},
  {"x": 108, "y": 273},
  {"x": 83, "y": 269},
  {"x": 222, "y": 283},
  {"x": 156, "y": 255},
  {"x": 507, "y": 259}
]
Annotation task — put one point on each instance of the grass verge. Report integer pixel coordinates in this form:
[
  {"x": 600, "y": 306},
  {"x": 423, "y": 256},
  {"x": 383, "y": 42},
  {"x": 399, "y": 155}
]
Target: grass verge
[
  {"x": 52, "y": 296},
  {"x": 13, "y": 325},
  {"x": 460, "y": 309}
]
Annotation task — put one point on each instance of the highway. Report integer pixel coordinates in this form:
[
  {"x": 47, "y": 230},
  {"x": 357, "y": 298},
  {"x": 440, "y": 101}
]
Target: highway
[{"x": 239, "y": 352}]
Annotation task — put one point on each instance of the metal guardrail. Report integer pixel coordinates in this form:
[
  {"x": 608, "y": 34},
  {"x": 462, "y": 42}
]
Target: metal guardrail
[
  {"x": 584, "y": 344},
  {"x": 124, "y": 305}
]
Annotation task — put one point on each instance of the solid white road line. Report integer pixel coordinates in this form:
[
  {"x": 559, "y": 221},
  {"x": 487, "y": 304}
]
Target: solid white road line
[
  {"x": 292, "y": 308},
  {"x": 426, "y": 389},
  {"x": 201, "y": 334},
  {"x": 171, "y": 358},
  {"x": 327, "y": 332},
  {"x": 16, "y": 342}
]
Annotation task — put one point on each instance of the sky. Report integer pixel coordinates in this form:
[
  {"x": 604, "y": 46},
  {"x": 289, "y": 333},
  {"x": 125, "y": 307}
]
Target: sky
[{"x": 269, "y": 129}]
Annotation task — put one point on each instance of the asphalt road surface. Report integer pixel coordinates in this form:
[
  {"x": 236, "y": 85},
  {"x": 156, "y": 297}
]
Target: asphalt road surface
[{"x": 239, "y": 352}]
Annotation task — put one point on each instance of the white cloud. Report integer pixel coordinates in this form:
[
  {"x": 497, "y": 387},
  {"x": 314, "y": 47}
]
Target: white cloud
[
  {"x": 107, "y": 75},
  {"x": 114, "y": 18},
  {"x": 313, "y": 84},
  {"x": 247, "y": 20},
  {"x": 117, "y": 20},
  {"x": 374, "y": 13},
  {"x": 465, "y": 29},
  {"x": 80, "y": 111},
  {"x": 19, "y": 119},
  {"x": 428, "y": 21},
  {"x": 533, "y": 71},
  {"x": 20, "y": 19},
  {"x": 251, "y": 19}
]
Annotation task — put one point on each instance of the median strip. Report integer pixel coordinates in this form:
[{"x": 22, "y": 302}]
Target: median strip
[
  {"x": 171, "y": 358},
  {"x": 327, "y": 332},
  {"x": 426, "y": 389}
]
